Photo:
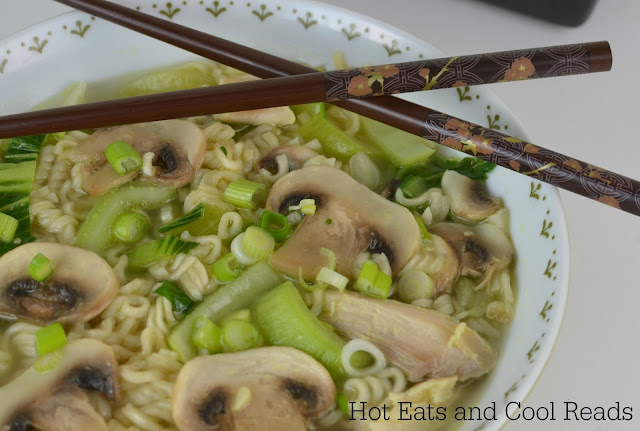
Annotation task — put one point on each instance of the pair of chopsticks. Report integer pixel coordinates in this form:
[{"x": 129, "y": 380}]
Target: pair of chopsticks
[{"x": 356, "y": 85}]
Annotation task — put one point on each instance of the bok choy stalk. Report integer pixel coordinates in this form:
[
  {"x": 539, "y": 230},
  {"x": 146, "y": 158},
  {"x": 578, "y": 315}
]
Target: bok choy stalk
[
  {"x": 233, "y": 296},
  {"x": 95, "y": 233},
  {"x": 16, "y": 181},
  {"x": 285, "y": 320}
]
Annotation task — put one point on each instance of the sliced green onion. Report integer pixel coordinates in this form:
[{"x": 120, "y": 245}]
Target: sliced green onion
[
  {"x": 180, "y": 301},
  {"x": 332, "y": 278},
  {"x": 308, "y": 209},
  {"x": 40, "y": 268},
  {"x": 276, "y": 224},
  {"x": 238, "y": 335},
  {"x": 226, "y": 268},
  {"x": 8, "y": 227},
  {"x": 123, "y": 157},
  {"x": 257, "y": 243},
  {"x": 50, "y": 338},
  {"x": 372, "y": 281},
  {"x": 331, "y": 256},
  {"x": 206, "y": 335},
  {"x": 130, "y": 227},
  {"x": 422, "y": 227},
  {"x": 145, "y": 254},
  {"x": 245, "y": 194},
  {"x": 415, "y": 284},
  {"x": 306, "y": 206}
]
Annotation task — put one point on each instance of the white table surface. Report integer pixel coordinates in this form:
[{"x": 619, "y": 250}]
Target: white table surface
[{"x": 596, "y": 361}]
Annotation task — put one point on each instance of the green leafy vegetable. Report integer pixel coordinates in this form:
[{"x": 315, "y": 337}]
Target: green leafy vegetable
[
  {"x": 145, "y": 254},
  {"x": 16, "y": 181},
  {"x": 180, "y": 301},
  {"x": 418, "y": 178},
  {"x": 202, "y": 220}
]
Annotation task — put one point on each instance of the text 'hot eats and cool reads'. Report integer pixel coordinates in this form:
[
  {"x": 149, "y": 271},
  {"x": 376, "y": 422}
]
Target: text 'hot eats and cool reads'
[{"x": 514, "y": 411}]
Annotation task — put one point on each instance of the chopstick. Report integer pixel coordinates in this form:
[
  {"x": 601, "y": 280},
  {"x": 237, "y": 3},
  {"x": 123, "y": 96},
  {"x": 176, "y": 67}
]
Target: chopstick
[
  {"x": 316, "y": 87},
  {"x": 511, "y": 153}
]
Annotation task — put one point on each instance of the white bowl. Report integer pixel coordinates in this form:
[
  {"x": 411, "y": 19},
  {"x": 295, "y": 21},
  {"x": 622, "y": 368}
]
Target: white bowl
[{"x": 42, "y": 60}]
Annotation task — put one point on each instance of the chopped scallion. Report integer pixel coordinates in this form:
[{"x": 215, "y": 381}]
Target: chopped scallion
[
  {"x": 332, "y": 278},
  {"x": 257, "y": 243},
  {"x": 40, "y": 268},
  {"x": 8, "y": 227},
  {"x": 50, "y": 338},
  {"x": 276, "y": 224},
  {"x": 180, "y": 301},
  {"x": 123, "y": 157},
  {"x": 244, "y": 193},
  {"x": 226, "y": 268},
  {"x": 207, "y": 335},
  {"x": 238, "y": 335},
  {"x": 306, "y": 206},
  {"x": 372, "y": 281},
  {"x": 130, "y": 227}
]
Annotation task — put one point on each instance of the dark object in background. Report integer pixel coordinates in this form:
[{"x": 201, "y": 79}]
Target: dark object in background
[{"x": 566, "y": 12}]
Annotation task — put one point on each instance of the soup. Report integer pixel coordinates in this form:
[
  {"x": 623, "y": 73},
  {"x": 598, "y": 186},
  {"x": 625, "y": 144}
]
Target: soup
[{"x": 285, "y": 268}]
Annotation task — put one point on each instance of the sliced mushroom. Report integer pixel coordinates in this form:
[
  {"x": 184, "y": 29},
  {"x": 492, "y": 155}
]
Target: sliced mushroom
[
  {"x": 270, "y": 388},
  {"x": 438, "y": 346},
  {"x": 349, "y": 220},
  {"x": 277, "y": 116},
  {"x": 179, "y": 147},
  {"x": 469, "y": 199},
  {"x": 81, "y": 286},
  {"x": 296, "y": 156},
  {"x": 483, "y": 250},
  {"x": 56, "y": 399}
]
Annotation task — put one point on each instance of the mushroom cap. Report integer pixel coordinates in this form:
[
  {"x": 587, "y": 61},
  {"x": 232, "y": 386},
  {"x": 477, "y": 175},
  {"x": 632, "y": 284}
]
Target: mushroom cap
[
  {"x": 179, "y": 147},
  {"x": 469, "y": 199},
  {"x": 483, "y": 249},
  {"x": 349, "y": 219},
  {"x": 424, "y": 343},
  {"x": 57, "y": 397},
  {"x": 269, "y": 388},
  {"x": 297, "y": 155},
  {"x": 81, "y": 286}
]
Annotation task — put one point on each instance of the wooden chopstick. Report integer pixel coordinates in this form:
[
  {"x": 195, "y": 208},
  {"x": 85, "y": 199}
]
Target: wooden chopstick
[
  {"x": 545, "y": 165},
  {"x": 311, "y": 87}
]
